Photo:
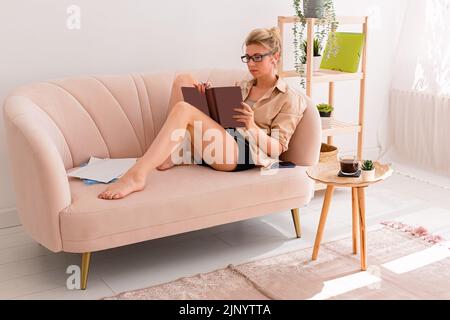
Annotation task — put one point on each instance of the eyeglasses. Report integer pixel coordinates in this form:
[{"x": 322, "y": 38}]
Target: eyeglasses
[{"x": 255, "y": 57}]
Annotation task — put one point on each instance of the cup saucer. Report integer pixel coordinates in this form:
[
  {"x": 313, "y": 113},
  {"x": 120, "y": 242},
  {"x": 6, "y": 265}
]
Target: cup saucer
[{"x": 354, "y": 175}]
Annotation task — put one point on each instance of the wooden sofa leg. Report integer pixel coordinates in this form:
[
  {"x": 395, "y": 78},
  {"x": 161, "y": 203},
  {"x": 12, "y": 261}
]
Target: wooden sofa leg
[
  {"x": 296, "y": 218},
  {"x": 85, "y": 259}
]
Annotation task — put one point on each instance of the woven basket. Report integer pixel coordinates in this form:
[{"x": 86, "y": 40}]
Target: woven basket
[{"x": 328, "y": 153}]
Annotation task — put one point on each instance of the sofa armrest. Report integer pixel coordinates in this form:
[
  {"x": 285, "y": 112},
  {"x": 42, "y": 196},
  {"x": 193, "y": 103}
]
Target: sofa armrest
[
  {"x": 39, "y": 176},
  {"x": 304, "y": 146}
]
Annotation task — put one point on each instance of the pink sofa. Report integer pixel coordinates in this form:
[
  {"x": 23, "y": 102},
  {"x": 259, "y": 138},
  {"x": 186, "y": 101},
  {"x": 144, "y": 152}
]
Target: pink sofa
[{"x": 54, "y": 126}]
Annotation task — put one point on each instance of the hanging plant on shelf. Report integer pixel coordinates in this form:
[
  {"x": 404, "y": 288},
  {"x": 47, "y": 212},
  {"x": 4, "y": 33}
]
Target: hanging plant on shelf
[{"x": 323, "y": 11}]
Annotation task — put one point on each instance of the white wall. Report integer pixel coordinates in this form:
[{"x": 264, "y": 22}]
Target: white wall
[{"x": 145, "y": 36}]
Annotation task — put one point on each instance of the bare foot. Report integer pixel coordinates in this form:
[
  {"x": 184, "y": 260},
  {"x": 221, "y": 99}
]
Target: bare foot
[
  {"x": 166, "y": 164},
  {"x": 131, "y": 182}
]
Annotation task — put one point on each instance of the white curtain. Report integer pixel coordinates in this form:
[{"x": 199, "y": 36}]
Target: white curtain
[{"x": 417, "y": 130}]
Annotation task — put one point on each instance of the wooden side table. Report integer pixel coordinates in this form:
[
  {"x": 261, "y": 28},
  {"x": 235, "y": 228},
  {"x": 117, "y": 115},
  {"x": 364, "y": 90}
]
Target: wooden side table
[{"x": 327, "y": 173}]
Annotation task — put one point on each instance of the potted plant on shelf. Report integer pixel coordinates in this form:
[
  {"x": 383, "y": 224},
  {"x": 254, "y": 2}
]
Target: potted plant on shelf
[
  {"x": 368, "y": 170},
  {"x": 323, "y": 11},
  {"x": 316, "y": 53},
  {"x": 325, "y": 113}
]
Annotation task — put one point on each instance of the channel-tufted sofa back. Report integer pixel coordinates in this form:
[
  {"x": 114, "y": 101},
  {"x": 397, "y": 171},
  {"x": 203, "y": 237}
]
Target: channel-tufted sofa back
[{"x": 106, "y": 116}]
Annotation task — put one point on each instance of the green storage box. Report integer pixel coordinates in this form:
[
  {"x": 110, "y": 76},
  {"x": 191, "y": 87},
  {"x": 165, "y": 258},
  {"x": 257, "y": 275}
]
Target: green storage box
[{"x": 348, "y": 54}]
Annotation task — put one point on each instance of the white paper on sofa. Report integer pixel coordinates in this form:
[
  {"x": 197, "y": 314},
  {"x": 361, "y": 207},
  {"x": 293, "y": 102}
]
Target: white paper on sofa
[{"x": 103, "y": 170}]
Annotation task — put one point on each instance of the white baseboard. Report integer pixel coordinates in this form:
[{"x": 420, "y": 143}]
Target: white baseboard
[{"x": 9, "y": 218}]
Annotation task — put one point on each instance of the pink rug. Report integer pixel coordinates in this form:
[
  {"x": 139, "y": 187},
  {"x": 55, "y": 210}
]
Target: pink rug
[{"x": 335, "y": 275}]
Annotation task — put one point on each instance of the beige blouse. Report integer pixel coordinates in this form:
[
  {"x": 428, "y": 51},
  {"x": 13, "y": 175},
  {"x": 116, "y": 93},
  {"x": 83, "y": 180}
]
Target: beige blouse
[{"x": 277, "y": 112}]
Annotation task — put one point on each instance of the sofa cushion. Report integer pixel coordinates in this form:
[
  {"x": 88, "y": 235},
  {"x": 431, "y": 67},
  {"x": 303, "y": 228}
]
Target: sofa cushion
[{"x": 181, "y": 193}]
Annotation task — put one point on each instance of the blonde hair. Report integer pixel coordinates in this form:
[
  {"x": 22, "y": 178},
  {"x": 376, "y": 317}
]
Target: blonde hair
[{"x": 267, "y": 37}]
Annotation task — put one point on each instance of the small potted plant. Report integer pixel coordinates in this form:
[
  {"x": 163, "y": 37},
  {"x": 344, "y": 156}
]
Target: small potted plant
[
  {"x": 325, "y": 109},
  {"x": 368, "y": 170},
  {"x": 325, "y": 113},
  {"x": 317, "y": 57}
]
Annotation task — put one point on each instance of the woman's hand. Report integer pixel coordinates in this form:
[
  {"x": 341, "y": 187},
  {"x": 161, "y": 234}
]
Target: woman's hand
[
  {"x": 202, "y": 86},
  {"x": 247, "y": 116}
]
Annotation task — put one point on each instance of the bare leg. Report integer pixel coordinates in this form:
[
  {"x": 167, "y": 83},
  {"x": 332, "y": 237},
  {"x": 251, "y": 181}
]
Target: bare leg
[
  {"x": 168, "y": 163},
  {"x": 180, "y": 117},
  {"x": 182, "y": 80}
]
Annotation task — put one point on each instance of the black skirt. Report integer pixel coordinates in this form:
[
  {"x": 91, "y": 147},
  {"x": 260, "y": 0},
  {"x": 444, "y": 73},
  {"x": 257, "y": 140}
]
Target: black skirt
[{"x": 245, "y": 161}]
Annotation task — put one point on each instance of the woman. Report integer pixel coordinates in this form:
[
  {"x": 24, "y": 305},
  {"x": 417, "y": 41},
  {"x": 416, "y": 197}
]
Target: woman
[{"x": 269, "y": 114}]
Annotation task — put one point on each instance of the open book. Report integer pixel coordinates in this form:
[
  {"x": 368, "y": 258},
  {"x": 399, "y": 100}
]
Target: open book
[{"x": 217, "y": 102}]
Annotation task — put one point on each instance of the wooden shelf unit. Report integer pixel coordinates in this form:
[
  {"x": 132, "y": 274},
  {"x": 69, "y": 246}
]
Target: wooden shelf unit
[
  {"x": 331, "y": 76},
  {"x": 339, "y": 127},
  {"x": 325, "y": 75}
]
